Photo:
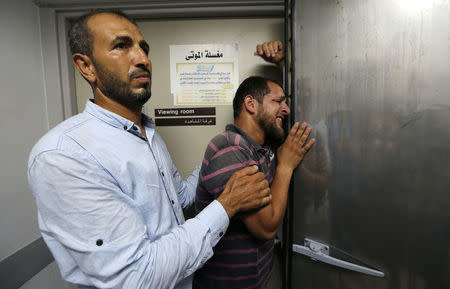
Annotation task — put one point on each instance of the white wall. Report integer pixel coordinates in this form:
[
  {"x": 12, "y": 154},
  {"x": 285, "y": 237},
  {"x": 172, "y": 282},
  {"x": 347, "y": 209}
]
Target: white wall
[{"x": 23, "y": 119}]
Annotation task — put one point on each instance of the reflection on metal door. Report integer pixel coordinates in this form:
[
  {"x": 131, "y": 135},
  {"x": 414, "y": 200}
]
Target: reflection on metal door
[{"x": 373, "y": 79}]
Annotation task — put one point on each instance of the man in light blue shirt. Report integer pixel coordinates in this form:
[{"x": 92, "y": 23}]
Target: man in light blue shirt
[{"x": 109, "y": 197}]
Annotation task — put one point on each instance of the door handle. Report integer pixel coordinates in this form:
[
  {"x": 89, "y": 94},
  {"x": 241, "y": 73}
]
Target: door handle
[{"x": 321, "y": 252}]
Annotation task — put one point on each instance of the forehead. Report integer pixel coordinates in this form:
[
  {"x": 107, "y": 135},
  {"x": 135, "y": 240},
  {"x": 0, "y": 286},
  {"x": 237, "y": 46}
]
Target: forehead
[
  {"x": 107, "y": 26},
  {"x": 275, "y": 90}
]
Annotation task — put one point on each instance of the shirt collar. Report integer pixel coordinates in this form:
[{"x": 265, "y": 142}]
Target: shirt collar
[
  {"x": 114, "y": 119},
  {"x": 234, "y": 128}
]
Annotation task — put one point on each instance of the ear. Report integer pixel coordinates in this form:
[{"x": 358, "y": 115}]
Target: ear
[
  {"x": 250, "y": 104},
  {"x": 85, "y": 66}
]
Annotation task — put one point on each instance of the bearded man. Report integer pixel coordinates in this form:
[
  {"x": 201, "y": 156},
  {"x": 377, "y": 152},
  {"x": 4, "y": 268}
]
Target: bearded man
[
  {"x": 109, "y": 198},
  {"x": 243, "y": 257}
]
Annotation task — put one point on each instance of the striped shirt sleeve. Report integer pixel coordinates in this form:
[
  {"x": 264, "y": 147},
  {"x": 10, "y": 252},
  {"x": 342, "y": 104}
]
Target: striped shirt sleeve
[{"x": 226, "y": 154}]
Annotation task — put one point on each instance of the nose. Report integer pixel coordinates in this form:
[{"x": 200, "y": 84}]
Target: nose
[
  {"x": 141, "y": 59},
  {"x": 285, "y": 108}
]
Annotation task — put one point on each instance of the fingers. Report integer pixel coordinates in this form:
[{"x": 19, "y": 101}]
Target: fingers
[
  {"x": 246, "y": 176},
  {"x": 269, "y": 49},
  {"x": 304, "y": 134},
  {"x": 266, "y": 199},
  {"x": 263, "y": 195},
  {"x": 263, "y": 184},
  {"x": 293, "y": 130},
  {"x": 277, "y": 46},
  {"x": 309, "y": 144},
  {"x": 247, "y": 171},
  {"x": 299, "y": 135},
  {"x": 297, "y": 131},
  {"x": 259, "y": 50},
  {"x": 301, "y": 129},
  {"x": 245, "y": 191}
]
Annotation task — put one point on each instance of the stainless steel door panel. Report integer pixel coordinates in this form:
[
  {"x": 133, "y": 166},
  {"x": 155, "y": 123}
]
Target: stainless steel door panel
[{"x": 373, "y": 79}]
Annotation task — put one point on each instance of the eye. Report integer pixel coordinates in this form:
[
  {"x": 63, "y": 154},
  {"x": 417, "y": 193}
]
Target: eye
[
  {"x": 145, "y": 48},
  {"x": 120, "y": 45}
]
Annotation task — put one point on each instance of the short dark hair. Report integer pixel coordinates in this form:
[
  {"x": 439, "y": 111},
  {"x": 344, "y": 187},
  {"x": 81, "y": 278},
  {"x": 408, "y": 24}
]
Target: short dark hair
[
  {"x": 256, "y": 86},
  {"x": 80, "y": 38}
]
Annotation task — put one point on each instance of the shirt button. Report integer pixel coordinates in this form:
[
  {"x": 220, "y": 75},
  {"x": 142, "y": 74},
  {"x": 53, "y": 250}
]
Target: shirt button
[
  {"x": 125, "y": 127},
  {"x": 220, "y": 234},
  {"x": 162, "y": 173},
  {"x": 134, "y": 127},
  {"x": 173, "y": 202},
  {"x": 99, "y": 242}
]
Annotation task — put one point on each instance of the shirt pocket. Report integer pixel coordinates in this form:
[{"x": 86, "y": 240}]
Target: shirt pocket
[
  {"x": 156, "y": 210},
  {"x": 148, "y": 199}
]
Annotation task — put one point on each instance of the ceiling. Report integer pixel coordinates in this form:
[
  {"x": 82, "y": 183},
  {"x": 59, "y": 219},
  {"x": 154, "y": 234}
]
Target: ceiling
[{"x": 74, "y": 3}]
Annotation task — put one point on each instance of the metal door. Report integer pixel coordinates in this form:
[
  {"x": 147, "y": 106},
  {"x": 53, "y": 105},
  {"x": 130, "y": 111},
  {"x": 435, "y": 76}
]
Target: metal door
[{"x": 372, "y": 77}]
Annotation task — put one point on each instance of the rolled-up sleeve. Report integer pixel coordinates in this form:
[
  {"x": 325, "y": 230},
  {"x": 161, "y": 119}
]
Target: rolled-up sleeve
[{"x": 95, "y": 232}]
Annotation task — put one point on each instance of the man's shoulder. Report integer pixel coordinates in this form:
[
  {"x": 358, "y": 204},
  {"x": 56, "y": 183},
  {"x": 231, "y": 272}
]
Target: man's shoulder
[
  {"x": 57, "y": 137},
  {"x": 229, "y": 138},
  {"x": 227, "y": 151}
]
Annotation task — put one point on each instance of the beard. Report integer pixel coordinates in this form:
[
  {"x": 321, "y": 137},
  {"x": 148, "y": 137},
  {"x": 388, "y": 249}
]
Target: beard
[
  {"x": 116, "y": 89},
  {"x": 274, "y": 135}
]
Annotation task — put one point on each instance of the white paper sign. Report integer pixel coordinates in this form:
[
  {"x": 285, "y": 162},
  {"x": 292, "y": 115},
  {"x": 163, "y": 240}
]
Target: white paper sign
[{"x": 204, "y": 73}]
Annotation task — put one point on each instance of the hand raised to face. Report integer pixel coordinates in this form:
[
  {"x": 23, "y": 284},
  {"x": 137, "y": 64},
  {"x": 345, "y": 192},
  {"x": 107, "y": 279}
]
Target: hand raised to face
[{"x": 295, "y": 147}]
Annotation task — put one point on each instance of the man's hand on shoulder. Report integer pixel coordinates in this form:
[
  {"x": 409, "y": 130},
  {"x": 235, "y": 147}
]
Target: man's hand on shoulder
[
  {"x": 272, "y": 52},
  {"x": 247, "y": 189}
]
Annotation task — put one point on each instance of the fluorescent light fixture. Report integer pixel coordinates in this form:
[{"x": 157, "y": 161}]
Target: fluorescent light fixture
[{"x": 416, "y": 5}]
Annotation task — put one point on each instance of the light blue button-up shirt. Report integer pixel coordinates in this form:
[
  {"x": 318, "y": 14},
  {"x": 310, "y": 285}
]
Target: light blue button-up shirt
[{"x": 110, "y": 205}]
